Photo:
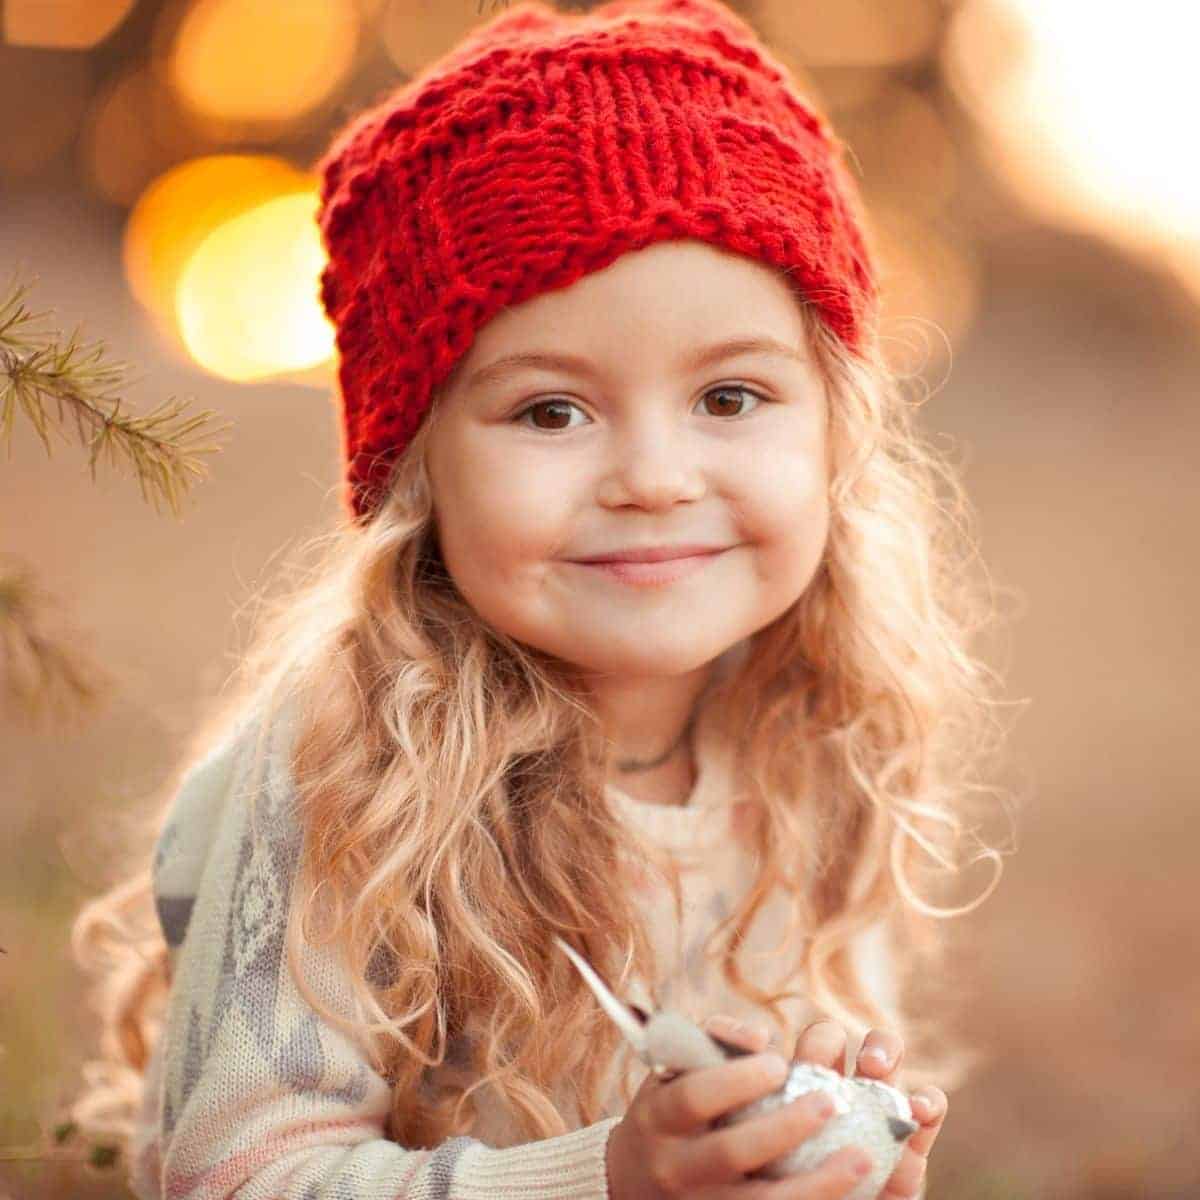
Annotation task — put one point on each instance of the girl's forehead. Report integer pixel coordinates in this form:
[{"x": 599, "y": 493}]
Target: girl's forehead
[{"x": 679, "y": 293}]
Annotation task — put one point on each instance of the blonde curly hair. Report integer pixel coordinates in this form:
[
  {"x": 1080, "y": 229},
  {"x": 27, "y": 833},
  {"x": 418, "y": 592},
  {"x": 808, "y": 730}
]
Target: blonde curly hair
[{"x": 860, "y": 715}]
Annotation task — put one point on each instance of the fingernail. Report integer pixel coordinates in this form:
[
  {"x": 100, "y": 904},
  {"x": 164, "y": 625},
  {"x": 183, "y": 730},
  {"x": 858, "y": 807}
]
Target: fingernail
[
  {"x": 861, "y": 1168},
  {"x": 876, "y": 1054}
]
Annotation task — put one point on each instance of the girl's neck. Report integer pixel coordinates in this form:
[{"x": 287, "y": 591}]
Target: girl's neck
[{"x": 669, "y": 785}]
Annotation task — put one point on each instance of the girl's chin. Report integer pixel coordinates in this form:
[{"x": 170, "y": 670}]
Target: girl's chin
[{"x": 621, "y": 659}]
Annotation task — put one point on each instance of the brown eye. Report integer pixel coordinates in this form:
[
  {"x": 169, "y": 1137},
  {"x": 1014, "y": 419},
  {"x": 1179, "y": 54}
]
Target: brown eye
[
  {"x": 545, "y": 404},
  {"x": 726, "y": 390},
  {"x": 565, "y": 406}
]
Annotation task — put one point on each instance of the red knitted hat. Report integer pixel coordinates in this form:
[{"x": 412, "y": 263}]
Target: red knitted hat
[{"x": 542, "y": 147}]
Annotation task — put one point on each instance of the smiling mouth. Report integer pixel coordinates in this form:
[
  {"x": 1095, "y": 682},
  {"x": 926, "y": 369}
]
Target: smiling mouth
[{"x": 653, "y": 574}]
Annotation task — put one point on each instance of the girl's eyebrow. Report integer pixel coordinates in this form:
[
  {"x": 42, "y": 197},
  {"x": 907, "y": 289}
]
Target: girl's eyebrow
[{"x": 706, "y": 356}]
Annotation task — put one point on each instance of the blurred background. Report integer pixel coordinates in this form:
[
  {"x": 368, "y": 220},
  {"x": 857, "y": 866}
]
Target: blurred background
[{"x": 1037, "y": 215}]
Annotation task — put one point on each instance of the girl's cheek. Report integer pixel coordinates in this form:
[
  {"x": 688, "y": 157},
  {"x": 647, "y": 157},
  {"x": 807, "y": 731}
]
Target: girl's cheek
[
  {"x": 510, "y": 502},
  {"x": 788, "y": 517}
]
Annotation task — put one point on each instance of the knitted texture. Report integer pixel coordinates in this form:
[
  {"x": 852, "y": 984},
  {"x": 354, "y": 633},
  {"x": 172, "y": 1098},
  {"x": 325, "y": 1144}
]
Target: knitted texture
[
  {"x": 251, "y": 1092},
  {"x": 542, "y": 147}
]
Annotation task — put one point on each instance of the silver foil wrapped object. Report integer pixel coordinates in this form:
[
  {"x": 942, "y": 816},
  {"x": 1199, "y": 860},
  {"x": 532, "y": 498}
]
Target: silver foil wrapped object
[{"x": 867, "y": 1113}]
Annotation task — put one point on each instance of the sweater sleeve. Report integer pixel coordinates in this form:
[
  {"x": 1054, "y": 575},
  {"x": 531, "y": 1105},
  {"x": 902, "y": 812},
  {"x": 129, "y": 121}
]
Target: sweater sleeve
[{"x": 250, "y": 1093}]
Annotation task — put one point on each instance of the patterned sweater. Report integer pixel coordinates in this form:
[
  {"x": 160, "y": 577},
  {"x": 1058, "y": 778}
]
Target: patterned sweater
[{"x": 250, "y": 1094}]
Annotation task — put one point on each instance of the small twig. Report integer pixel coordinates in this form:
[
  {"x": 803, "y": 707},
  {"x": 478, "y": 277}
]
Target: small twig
[
  {"x": 99, "y": 1154},
  {"x": 42, "y": 660},
  {"x": 35, "y": 368}
]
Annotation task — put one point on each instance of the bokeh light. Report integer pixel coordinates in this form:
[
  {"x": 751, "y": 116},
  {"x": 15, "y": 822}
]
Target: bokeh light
[
  {"x": 248, "y": 301},
  {"x": 182, "y": 207},
  {"x": 260, "y": 60},
  {"x": 131, "y": 135},
  {"x": 417, "y": 32},
  {"x": 63, "y": 24},
  {"x": 1089, "y": 110}
]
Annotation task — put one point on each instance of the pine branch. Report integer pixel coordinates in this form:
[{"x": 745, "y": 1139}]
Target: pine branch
[
  {"x": 38, "y": 662},
  {"x": 97, "y": 1154},
  {"x": 36, "y": 368}
]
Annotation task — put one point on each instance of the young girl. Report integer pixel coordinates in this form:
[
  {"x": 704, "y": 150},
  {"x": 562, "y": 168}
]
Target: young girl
[{"x": 601, "y": 292}]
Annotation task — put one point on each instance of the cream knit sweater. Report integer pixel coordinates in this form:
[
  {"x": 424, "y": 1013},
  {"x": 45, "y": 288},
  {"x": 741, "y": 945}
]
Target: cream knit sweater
[{"x": 250, "y": 1095}]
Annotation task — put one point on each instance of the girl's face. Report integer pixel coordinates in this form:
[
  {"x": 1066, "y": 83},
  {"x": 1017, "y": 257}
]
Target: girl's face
[{"x": 637, "y": 441}]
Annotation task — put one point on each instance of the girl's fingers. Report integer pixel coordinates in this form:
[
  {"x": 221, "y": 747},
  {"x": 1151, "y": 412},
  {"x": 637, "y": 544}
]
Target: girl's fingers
[
  {"x": 904, "y": 1183},
  {"x": 881, "y": 1054},
  {"x": 823, "y": 1043},
  {"x": 750, "y": 1036},
  {"x": 930, "y": 1117}
]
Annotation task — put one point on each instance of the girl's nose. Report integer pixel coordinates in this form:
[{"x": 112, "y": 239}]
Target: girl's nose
[{"x": 656, "y": 482}]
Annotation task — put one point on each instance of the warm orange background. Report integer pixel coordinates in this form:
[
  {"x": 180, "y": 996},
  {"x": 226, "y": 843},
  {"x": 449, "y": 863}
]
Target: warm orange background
[{"x": 1061, "y": 349}]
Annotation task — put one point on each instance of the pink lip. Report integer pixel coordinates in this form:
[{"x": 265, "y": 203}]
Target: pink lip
[
  {"x": 653, "y": 574},
  {"x": 653, "y": 553}
]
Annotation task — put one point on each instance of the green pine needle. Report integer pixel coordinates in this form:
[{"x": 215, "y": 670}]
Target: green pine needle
[{"x": 36, "y": 368}]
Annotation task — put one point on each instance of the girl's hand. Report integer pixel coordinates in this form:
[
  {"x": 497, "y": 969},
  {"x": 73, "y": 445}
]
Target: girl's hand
[
  {"x": 824, "y": 1043},
  {"x": 666, "y": 1147}
]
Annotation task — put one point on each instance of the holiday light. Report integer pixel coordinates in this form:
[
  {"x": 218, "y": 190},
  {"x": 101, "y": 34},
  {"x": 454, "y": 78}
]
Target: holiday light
[
  {"x": 1087, "y": 109},
  {"x": 247, "y": 300}
]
